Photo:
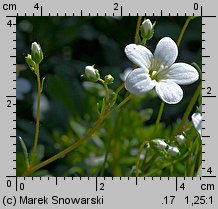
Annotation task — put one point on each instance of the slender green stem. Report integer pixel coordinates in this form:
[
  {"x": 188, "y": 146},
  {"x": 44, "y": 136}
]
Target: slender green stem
[
  {"x": 159, "y": 115},
  {"x": 79, "y": 142},
  {"x": 37, "y": 116},
  {"x": 137, "y": 29},
  {"x": 138, "y": 158},
  {"x": 196, "y": 148},
  {"x": 150, "y": 162},
  {"x": 183, "y": 30},
  {"x": 119, "y": 88},
  {"x": 152, "y": 173},
  {"x": 106, "y": 157},
  {"x": 106, "y": 91},
  {"x": 119, "y": 105},
  {"x": 136, "y": 42},
  {"x": 144, "y": 41},
  {"x": 154, "y": 157},
  {"x": 67, "y": 150},
  {"x": 188, "y": 110}
]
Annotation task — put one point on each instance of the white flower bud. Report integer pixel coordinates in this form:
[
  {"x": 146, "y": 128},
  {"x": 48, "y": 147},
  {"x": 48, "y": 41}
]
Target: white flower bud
[
  {"x": 180, "y": 139},
  {"x": 173, "y": 151},
  {"x": 109, "y": 79},
  {"x": 36, "y": 53},
  {"x": 158, "y": 144},
  {"x": 196, "y": 119},
  {"x": 92, "y": 73},
  {"x": 147, "y": 29},
  {"x": 35, "y": 48},
  {"x": 147, "y": 26}
]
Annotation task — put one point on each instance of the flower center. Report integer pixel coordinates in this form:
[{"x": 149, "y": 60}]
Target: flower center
[{"x": 155, "y": 68}]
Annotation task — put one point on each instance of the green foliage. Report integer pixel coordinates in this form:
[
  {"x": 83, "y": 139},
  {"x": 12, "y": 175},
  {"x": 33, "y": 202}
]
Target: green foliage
[{"x": 74, "y": 104}]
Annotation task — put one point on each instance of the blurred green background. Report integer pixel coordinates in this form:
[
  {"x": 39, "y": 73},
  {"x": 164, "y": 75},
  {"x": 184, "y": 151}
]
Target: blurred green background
[{"x": 68, "y": 107}]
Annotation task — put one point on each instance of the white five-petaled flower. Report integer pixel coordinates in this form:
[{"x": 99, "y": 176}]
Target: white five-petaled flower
[
  {"x": 196, "y": 119},
  {"x": 159, "y": 71}
]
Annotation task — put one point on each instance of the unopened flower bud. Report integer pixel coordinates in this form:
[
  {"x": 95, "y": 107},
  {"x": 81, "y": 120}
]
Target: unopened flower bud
[
  {"x": 147, "y": 26},
  {"x": 173, "y": 151},
  {"x": 91, "y": 73},
  {"x": 109, "y": 79},
  {"x": 197, "y": 119},
  {"x": 36, "y": 52},
  {"x": 30, "y": 62},
  {"x": 158, "y": 144},
  {"x": 147, "y": 29},
  {"x": 180, "y": 139}
]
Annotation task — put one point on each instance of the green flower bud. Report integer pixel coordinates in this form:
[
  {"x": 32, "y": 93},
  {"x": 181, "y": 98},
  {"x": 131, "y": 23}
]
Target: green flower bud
[
  {"x": 30, "y": 62},
  {"x": 91, "y": 73},
  {"x": 109, "y": 79},
  {"x": 36, "y": 53}
]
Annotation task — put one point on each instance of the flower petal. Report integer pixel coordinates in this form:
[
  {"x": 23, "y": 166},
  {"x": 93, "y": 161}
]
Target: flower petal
[
  {"x": 182, "y": 73},
  {"x": 196, "y": 119},
  {"x": 125, "y": 73},
  {"x": 166, "y": 52},
  {"x": 138, "y": 82},
  {"x": 139, "y": 55},
  {"x": 169, "y": 91}
]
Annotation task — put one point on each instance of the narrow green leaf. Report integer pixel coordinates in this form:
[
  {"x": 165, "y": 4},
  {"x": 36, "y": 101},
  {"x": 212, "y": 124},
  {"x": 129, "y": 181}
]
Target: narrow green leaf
[
  {"x": 42, "y": 84},
  {"x": 103, "y": 105},
  {"x": 198, "y": 69},
  {"x": 25, "y": 153},
  {"x": 98, "y": 108}
]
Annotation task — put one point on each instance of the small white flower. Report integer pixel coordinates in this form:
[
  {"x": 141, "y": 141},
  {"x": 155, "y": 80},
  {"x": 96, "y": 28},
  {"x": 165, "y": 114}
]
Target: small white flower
[
  {"x": 125, "y": 73},
  {"x": 180, "y": 139},
  {"x": 196, "y": 119},
  {"x": 147, "y": 26},
  {"x": 158, "y": 71},
  {"x": 173, "y": 151}
]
